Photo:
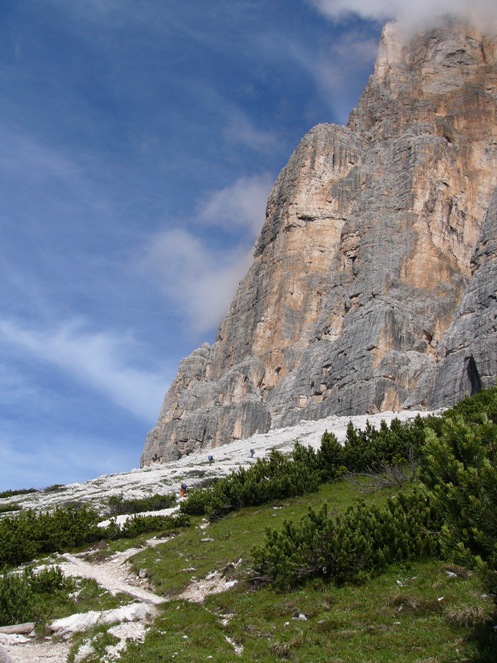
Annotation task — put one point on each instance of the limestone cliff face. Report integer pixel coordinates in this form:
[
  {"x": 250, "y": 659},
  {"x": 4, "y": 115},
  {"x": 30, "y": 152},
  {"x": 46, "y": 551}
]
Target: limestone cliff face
[{"x": 373, "y": 284}]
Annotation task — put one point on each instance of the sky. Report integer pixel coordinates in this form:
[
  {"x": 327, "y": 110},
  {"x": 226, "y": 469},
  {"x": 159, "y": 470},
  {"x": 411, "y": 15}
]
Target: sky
[{"x": 139, "y": 142}]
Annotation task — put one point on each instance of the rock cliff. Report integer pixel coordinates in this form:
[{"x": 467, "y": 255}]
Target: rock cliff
[{"x": 374, "y": 280}]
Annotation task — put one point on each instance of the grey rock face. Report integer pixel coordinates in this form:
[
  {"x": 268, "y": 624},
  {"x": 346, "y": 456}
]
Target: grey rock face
[
  {"x": 468, "y": 351},
  {"x": 373, "y": 284}
]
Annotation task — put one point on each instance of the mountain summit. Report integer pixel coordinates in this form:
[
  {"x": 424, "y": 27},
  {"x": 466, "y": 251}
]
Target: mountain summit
[{"x": 374, "y": 280}]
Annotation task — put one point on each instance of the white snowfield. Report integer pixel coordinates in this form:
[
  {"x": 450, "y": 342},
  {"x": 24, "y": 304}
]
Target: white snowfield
[{"x": 131, "y": 621}]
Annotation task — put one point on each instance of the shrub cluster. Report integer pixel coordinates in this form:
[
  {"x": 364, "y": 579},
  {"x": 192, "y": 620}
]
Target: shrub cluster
[
  {"x": 29, "y": 534},
  {"x": 143, "y": 524},
  {"x": 454, "y": 513},
  {"x": 6, "y": 508},
  {"x": 373, "y": 448},
  {"x": 272, "y": 478},
  {"x": 119, "y": 506},
  {"x": 23, "y": 596},
  {"x": 348, "y": 548},
  {"x": 20, "y": 491},
  {"x": 279, "y": 477},
  {"x": 459, "y": 467}
]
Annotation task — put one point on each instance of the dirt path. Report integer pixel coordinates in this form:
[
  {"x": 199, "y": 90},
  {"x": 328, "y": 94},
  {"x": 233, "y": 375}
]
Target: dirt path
[{"x": 113, "y": 574}]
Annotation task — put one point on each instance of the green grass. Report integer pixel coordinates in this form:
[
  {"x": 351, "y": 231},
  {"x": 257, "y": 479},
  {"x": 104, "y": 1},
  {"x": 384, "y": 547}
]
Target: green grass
[
  {"x": 170, "y": 567},
  {"x": 377, "y": 622},
  {"x": 411, "y": 613}
]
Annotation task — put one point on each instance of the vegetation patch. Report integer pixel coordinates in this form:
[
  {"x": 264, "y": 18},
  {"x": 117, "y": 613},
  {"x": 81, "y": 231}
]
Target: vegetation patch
[
  {"x": 25, "y": 536},
  {"x": 352, "y": 547},
  {"x": 41, "y": 594},
  {"x": 21, "y": 491},
  {"x": 117, "y": 505}
]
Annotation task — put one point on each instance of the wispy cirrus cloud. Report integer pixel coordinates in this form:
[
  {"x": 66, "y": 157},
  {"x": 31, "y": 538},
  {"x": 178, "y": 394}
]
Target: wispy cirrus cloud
[
  {"x": 195, "y": 279},
  {"x": 239, "y": 129},
  {"x": 101, "y": 361},
  {"x": 126, "y": 125},
  {"x": 341, "y": 70},
  {"x": 240, "y": 205}
]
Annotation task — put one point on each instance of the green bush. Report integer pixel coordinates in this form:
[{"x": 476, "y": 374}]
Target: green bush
[
  {"x": 280, "y": 477},
  {"x": 6, "y": 508},
  {"x": 348, "y": 548},
  {"x": 273, "y": 478},
  {"x": 454, "y": 515},
  {"x": 119, "y": 506},
  {"x": 143, "y": 524},
  {"x": 459, "y": 467},
  {"x": 27, "y": 535},
  {"x": 372, "y": 448},
  {"x": 473, "y": 408},
  {"x": 20, "y": 491},
  {"x": 23, "y": 596}
]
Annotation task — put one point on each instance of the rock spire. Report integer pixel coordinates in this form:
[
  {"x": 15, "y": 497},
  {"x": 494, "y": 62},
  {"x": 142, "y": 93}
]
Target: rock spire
[{"x": 374, "y": 280}]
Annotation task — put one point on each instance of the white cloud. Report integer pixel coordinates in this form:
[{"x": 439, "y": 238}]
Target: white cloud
[
  {"x": 412, "y": 15},
  {"x": 197, "y": 277},
  {"x": 99, "y": 360},
  {"x": 198, "y": 281},
  {"x": 240, "y": 130},
  {"x": 239, "y": 205},
  {"x": 349, "y": 56}
]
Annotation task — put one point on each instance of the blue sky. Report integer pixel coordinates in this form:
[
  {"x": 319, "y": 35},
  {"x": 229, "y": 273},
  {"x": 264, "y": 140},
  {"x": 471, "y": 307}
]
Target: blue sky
[{"x": 139, "y": 142}]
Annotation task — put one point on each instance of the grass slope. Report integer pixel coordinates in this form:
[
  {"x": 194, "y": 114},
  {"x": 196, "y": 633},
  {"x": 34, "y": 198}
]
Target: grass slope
[{"x": 427, "y": 611}]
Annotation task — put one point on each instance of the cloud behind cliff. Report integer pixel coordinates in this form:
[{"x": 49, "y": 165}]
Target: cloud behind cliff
[
  {"x": 197, "y": 272},
  {"x": 412, "y": 15}
]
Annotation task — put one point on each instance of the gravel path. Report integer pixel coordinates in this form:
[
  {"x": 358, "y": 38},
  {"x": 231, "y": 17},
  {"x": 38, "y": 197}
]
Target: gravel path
[{"x": 115, "y": 576}]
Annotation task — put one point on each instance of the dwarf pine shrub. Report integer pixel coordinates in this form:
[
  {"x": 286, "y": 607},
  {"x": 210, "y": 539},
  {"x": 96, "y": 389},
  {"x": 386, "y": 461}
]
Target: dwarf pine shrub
[
  {"x": 459, "y": 467},
  {"x": 349, "y": 548},
  {"x": 273, "y": 478},
  {"x": 23, "y": 595},
  {"x": 29, "y": 534},
  {"x": 280, "y": 477},
  {"x": 117, "y": 505},
  {"x": 371, "y": 448}
]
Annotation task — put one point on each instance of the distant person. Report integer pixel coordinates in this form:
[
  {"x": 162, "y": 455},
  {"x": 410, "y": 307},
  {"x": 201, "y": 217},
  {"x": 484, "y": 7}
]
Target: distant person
[
  {"x": 210, "y": 458},
  {"x": 183, "y": 489},
  {"x": 252, "y": 453}
]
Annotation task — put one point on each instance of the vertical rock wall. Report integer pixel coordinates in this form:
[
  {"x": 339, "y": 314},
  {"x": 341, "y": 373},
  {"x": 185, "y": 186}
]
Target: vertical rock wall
[{"x": 373, "y": 280}]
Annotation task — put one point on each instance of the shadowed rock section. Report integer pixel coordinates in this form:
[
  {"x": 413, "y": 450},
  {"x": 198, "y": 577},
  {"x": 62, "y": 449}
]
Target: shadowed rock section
[{"x": 373, "y": 284}]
